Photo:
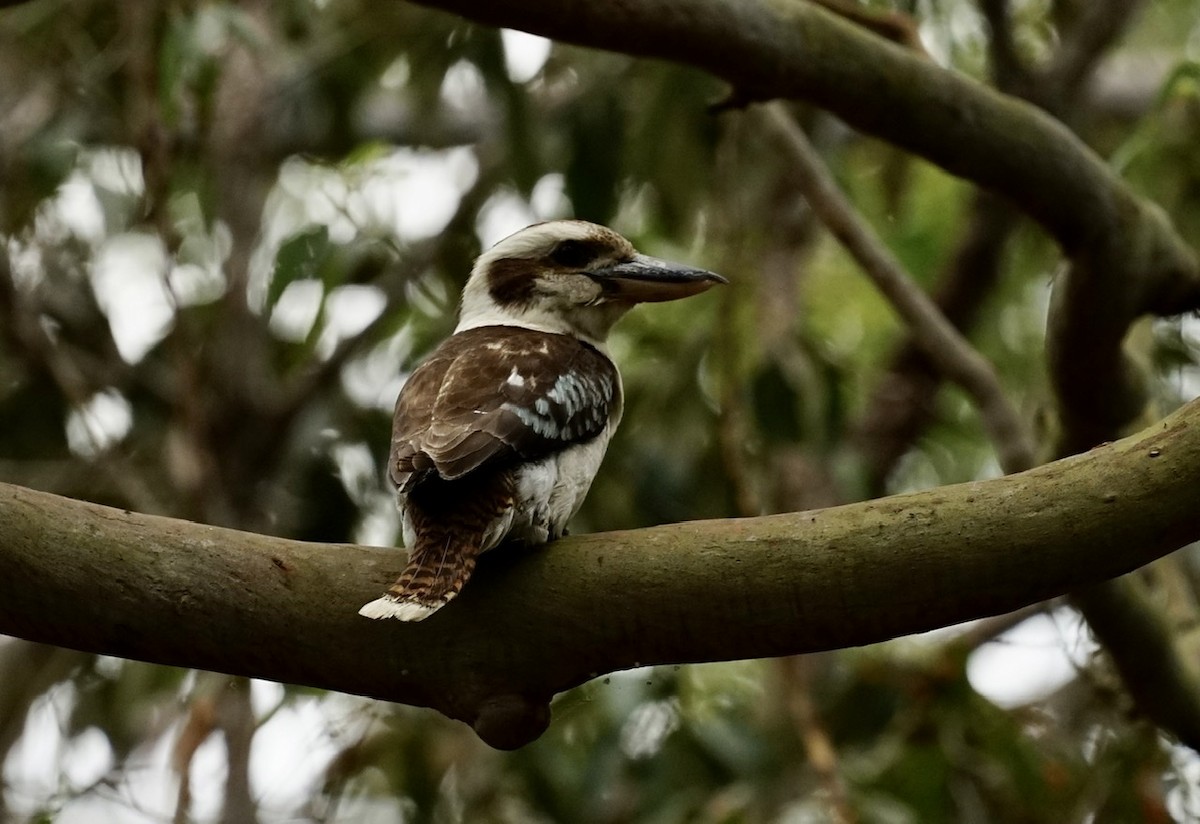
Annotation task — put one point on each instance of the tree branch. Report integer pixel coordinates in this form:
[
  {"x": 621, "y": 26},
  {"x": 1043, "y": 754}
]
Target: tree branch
[
  {"x": 790, "y": 49},
  {"x": 1007, "y": 66},
  {"x": 1097, "y": 398},
  {"x": 1126, "y": 257},
  {"x": 1100, "y": 23},
  {"x": 533, "y": 624},
  {"x": 902, "y": 403},
  {"x": 941, "y": 342},
  {"x": 1141, "y": 643}
]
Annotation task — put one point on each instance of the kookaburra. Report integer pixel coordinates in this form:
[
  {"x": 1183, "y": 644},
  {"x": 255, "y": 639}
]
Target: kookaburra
[{"x": 498, "y": 434}]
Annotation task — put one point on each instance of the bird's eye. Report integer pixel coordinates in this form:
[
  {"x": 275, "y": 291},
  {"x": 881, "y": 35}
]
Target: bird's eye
[{"x": 573, "y": 254}]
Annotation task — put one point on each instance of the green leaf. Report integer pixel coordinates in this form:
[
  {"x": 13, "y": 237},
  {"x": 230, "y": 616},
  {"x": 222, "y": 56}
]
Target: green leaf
[{"x": 299, "y": 257}]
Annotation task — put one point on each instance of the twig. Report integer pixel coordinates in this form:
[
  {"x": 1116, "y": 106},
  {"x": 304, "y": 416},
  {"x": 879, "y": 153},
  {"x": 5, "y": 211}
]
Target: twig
[
  {"x": 822, "y": 756},
  {"x": 1007, "y": 68},
  {"x": 200, "y": 724},
  {"x": 949, "y": 351},
  {"x": 901, "y": 405},
  {"x": 731, "y": 421},
  {"x": 891, "y": 25},
  {"x": 989, "y": 629},
  {"x": 32, "y": 340},
  {"x": 235, "y": 718},
  {"x": 1100, "y": 23}
]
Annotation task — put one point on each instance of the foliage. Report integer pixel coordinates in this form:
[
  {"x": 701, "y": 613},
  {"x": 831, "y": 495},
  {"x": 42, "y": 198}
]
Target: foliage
[{"x": 231, "y": 229}]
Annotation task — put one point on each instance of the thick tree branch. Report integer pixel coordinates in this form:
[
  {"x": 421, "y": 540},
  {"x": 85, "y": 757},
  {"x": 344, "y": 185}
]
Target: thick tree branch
[
  {"x": 1126, "y": 258},
  {"x": 1096, "y": 403},
  {"x": 793, "y": 49},
  {"x": 533, "y": 624}
]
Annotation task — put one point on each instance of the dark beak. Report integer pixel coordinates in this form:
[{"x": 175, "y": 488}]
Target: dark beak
[{"x": 645, "y": 279}]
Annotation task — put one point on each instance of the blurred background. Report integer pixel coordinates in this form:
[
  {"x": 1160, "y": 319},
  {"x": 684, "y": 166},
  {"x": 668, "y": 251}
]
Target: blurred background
[{"x": 228, "y": 233}]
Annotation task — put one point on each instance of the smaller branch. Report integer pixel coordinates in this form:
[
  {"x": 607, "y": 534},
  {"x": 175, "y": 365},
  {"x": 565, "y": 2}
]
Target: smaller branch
[
  {"x": 731, "y": 420},
  {"x": 818, "y": 746},
  {"x": 1007, "y": 69},
  {"x": 989, "y": 629},
  {"x": 200, "y": 724},
  {"x": 949, "y": 351},
  {"x": 902, "y": 406},
  {"x": 235, "y": 718},
  {"x": 895, "y": 26},
  {"x": 1142, "y": 647},
  {"x": 36, "y": 346},
  {"x": 1100, "y": 23}
]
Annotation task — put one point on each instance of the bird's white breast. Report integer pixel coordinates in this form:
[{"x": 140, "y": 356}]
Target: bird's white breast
[
  {"x": 548, "y": 494},
  {"x": 550, "y": 491}
]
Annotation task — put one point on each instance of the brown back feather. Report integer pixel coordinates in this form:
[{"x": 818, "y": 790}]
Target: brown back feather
[{"x": 460, "y": 412}]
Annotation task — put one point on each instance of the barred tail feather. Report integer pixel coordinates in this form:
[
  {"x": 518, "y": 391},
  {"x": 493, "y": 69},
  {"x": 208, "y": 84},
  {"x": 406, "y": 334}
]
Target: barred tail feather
[
  {"x": 434, "y": 576},
  {"x": 390, "y": 606}
]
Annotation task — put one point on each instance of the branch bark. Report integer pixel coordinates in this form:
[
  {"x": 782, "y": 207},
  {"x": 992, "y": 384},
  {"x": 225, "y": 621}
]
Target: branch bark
[
  {"x": 533, "y": 624},
  {"x": 902, "y": 403},
  {"x": 1126, "y": 259},
  {"x": 790, "y": 49}
]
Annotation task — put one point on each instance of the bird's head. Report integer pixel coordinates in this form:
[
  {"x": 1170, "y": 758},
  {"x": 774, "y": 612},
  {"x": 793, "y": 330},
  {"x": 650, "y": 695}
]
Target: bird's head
[{"x": 571, "y": 277}]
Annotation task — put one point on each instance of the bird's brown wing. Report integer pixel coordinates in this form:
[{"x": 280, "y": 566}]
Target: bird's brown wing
[{"x": 496, "y": 394}]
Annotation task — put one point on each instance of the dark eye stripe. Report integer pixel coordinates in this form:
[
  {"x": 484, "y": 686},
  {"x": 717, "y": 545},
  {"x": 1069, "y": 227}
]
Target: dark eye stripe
[{"x": 576, "y": 254}]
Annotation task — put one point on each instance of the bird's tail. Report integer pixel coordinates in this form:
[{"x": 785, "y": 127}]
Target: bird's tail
[{"x": 435, "y": 574}]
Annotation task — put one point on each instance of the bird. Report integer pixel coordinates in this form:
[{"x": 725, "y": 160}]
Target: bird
[{"x": 499, "y": 432}]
